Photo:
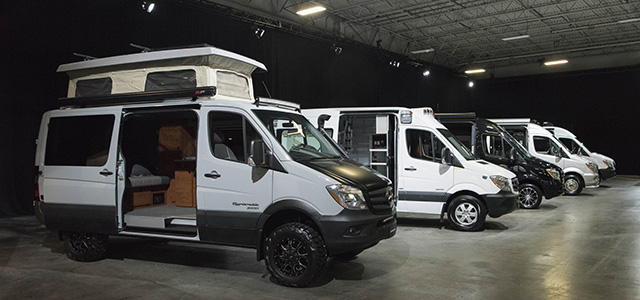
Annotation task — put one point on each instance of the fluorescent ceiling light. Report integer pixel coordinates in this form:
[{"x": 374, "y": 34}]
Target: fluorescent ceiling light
[
  {"x": 555, "y": 62},
  {"x": 474, "y": 71},
  {"x": 311, "y": 10},
  {"x": 629, "y": 20},
  {"x": 422, "y": 51},
  {"x": 516, "y": 37}
]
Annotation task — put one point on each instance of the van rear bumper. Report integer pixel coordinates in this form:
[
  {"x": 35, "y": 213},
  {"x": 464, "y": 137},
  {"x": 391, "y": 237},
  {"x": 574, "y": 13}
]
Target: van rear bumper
[
  {"x": 607, "y": 173},
  {"x": 501, "y": 203},
  {"x": 356, "y": 230}
]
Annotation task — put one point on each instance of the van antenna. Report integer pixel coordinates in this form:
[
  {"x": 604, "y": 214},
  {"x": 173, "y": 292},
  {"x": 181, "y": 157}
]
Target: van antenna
[
  {"x": 265, "y": 87},
  {"x": 143, "y": 48},
  {"x": 85, "y": 57}
]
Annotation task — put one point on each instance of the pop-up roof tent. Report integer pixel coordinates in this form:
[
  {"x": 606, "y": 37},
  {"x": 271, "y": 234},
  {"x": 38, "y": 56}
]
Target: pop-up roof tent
[{"x": 176, "y": 69}]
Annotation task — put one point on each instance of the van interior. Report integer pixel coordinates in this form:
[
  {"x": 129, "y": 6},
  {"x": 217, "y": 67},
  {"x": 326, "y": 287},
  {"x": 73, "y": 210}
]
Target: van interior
[
  {"x": 159, "y": 151},
  {"x": 369, "y": 139}
]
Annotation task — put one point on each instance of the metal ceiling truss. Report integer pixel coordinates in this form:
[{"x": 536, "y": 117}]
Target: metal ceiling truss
[{"x": 461, "y": 32}]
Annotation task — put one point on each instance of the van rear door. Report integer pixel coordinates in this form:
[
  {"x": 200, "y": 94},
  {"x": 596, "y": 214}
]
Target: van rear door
[{"x": 77, "y": 163}]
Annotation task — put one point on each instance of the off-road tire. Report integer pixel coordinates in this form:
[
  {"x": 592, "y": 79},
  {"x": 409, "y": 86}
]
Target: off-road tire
[
  {"x": 83, "y": 246},
  {"x": 295, "y": 254}
]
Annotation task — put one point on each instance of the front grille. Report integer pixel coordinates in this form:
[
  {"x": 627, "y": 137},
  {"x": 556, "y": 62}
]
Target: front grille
[{"x": 381, "y": 199}]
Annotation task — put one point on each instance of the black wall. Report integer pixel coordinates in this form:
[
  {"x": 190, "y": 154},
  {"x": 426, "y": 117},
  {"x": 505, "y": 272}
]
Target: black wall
[{"x": 39, "y": 35}]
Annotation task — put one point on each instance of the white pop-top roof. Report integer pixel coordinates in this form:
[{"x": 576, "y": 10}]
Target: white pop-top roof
[
  {"x": 205, "y": 55},
  {"x": 229, "y": 72}
]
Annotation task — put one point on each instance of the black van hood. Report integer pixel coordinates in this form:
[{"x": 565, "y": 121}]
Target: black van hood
[{"x": 348, "y": 172}]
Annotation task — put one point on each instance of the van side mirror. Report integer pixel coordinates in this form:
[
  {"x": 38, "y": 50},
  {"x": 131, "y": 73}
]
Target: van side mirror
[
  {"x": 258, "y": 156},
  {"x": 446, "y": 156},
  {"x": 321, "y": 119}
]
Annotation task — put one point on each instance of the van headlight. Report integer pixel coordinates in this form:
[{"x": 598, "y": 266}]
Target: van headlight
[
  {"x": 554, "y": 173},
  {"x": 347, "y": 196},
  {"x": 501, "y": 182},
  {"x": 609, "y": 163},
  {"x": 593, "y": 167}
]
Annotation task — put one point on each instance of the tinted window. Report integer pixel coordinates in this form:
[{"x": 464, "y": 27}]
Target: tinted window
[
  {"x": 230, "y": 136},
  {"x": 424, "y": 145},
  {"x": 495, "y": 145},
  {"x": 170, "y": 80},
  {"x": 79, "y": 141},
  {"x": 545, "y": 145},
  {"x": 93, "y": 87}
]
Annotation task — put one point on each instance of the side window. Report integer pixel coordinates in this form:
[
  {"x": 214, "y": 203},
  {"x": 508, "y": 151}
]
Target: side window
[
  {"x": 79, "y": 141},
  {"x": 545, "y": 145},
  {"x": 569, "y": 143},
  {"x": 495, "y": 145},
  {"x": 424, "y": 145},
  {"x": 230, "y": 136},
  {"x": 170, "y": 80},
  {"x": 93, "y": 87}
]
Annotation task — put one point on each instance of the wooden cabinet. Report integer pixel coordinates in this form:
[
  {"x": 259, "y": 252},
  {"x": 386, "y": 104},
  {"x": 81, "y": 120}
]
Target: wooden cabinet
[{"x": 182, "y": 190}]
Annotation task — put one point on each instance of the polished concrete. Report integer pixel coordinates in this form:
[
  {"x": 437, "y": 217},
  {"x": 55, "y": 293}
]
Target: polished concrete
[{"x": 584, "y": 247}]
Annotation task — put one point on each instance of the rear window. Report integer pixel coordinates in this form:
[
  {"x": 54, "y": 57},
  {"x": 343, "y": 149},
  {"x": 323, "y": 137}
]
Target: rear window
[{"x": 79, "y": 141}]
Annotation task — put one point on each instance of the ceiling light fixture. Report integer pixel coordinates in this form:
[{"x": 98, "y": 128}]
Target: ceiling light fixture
[
  {"x": 555, "y": 62},
  {"x": 148, "y": 6},
  {"x": 426, "y": 73},
  {"x": 511, "y": 38},
  {"x": 311, "y": 10},
  {"x": 422, "y": 51},
  {"x": 394, "y": 63},
  {"x": 629, "y": 20},
  {"x": 474, "y": 71},
  {"x": 258, "y": 32},
  {"x": 470, "y": 84}
]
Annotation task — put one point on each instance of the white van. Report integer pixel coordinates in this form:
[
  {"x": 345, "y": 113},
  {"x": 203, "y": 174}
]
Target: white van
[
  {"x": 606, "y": 165},
  {"x": 171, "y": 144},
  {"x": 432, "y": 171},
  {"x": 579, "y": 172}
]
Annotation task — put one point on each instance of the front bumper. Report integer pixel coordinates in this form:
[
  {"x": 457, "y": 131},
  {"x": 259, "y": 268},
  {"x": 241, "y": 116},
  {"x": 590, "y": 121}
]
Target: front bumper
[
  {"x": 552, "y": 188},
  {"x": 591, "y": 180},
  {"x": 607, "y": 173},
  {"x": 356, "y": 230},
  {"x": 501, "y": 203}
]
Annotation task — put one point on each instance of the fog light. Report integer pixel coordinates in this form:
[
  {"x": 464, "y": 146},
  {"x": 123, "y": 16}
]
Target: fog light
[{"x": 355, "y": 230}]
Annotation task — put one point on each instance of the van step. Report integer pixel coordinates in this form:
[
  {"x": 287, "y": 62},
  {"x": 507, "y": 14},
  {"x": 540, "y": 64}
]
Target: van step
[{"x": 161, "y": 217}]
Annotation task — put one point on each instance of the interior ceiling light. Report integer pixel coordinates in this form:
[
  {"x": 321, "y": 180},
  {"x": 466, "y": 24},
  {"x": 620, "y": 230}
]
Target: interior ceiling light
[
  {"x": 426, "y": 73},
  {"x": 422, "y": 51},
  {"x": 394, "y": 63},
  {"x": 258, "y": 32},
  {"x": 629, "y": 20},
  {"x": 474, "y": 71},
  {"x": 511, "y": 38},
  {"x": 555, "y": 62},
  {"x": 470, "y": 83},
  {"x": 148, "y": 6},
  {"x": 311, "y": 10}
]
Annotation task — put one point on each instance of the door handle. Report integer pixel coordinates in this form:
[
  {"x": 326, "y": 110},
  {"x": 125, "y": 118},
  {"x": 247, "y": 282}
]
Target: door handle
[
  {"x": 410, "y": 169},
  {"x": 213, "y": 175},
  {"x": 106, "y": 172}
]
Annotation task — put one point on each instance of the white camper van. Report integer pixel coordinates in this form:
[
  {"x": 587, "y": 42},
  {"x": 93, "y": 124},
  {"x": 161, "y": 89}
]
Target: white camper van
[
  {"x": 433, "y": 173},
  {"x": 579, "y": 172},
  {"x": 171, "y": 144},
  {"x": 606, "y": 165}
]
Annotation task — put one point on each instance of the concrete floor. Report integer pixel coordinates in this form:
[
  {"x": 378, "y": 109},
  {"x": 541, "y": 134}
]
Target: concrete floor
[{"x": 585, "y": 247}]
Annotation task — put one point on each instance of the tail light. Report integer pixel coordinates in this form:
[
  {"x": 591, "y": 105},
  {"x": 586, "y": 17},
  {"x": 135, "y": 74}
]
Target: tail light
[{"x": 36, "y": 187}]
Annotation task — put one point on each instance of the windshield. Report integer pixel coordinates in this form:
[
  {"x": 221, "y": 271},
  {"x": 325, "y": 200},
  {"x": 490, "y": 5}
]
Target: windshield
[
  {"x": 297, "y": 136},
  {"x": 462, "y": 149}
]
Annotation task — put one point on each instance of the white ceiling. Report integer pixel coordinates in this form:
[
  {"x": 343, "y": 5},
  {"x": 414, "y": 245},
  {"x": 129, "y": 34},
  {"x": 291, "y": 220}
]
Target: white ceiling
[{"x": 467, "y": 33}]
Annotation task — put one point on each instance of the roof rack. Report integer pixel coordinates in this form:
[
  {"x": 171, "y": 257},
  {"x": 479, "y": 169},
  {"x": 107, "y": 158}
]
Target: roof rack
[
  {"x": 137, "y": 97},
  {"x": 277, "y": 103}
]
